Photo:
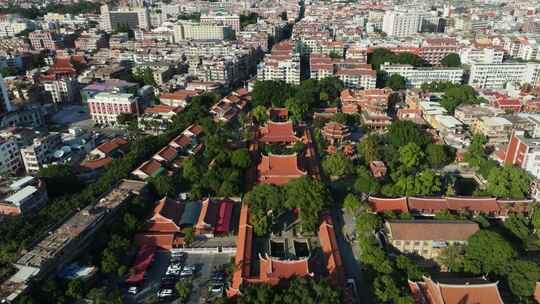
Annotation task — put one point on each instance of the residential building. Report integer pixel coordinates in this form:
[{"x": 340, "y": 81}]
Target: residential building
[
  {"x": 10, "y": 156},
  {"x": 469, "y": 114},
  {"x": 22, "y": 196},
  {"x": 353, "y": 73},
  {"x": 91, "y": 41},
  {"x": 179, "y": 98},
  {"x": 283, "y": 63},
  {"x": 221, "y": 18},
  {"x": 415, "y": 77},
  {"x": 40, "y": 152},
  {"x": 65, "y": 242},
  {"x": 427, "y": 238},
  {"x": 187, "y": 30},
  {"x": 44, "y": 40},
  {"x": 106, "y": 107},
  {"x": 11, "y": 25},
  {"x": 524, "y": 152},
  {"x": 401, "y": 23},
  {"x": 107, "y": 86},
  {"x": 496, "y": 76},
  {"x": 472, "y": 55},
  {"x": 497, "y": 130},
  {"x": 124, "y": 17},
  {"x": 433, "y": 50},
  {"x": 156, "y": 119},
  {"x": 5, "y": 102}
]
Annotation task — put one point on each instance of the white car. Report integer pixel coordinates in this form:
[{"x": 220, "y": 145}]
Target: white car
[
  {"x": 187, "y": 271},
  {"x": 217, "y": 289},
  {"x": 174, "y": 272},
  {"x": 164, "y": 293},
  {"x": 133, "y": 290}
]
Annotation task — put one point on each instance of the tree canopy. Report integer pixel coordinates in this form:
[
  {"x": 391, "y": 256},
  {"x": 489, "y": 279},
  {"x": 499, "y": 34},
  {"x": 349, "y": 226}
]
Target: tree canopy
[
  {"x": 508, "y": 182},
  {"x": 488, "y": 252},
  {"x": 396, "y": 82},
  {"x": 337, "y": 165},
  {"x": 451, "y": 60}
]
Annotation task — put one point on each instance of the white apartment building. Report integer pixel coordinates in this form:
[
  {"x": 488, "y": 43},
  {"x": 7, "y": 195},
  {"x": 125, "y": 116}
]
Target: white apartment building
[
  {"x": 473, "y": 55},
  {"x": 40, "y": 152},
  {"x": 415, "y": 77},
  {"x": 106, "y": 107},
  {"x": 287, "y": 70},
  {"x": 10, "y": 28},
  {"x": 220, "y": 18},
  {"x": 496, "y": 76},
  {"x": 132, "y": 18},
  {"x": 10, "y": 156},
  {"x": 198, "y": 31},
  {"x": 400, "y": 23},
  {"x": 62, "y": 90}
]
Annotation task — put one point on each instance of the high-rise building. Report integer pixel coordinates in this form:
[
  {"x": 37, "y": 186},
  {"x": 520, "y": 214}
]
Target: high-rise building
[
  {"x": 124, "y": 18},
  {"x": 401, "y": 23},
  {"x": 5, "y": 102}
]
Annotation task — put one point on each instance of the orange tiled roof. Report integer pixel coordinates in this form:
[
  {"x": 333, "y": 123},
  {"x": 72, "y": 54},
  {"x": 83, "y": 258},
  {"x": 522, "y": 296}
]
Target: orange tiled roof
[
  {"x": 111, "y": 145},
  {"x": 279, "y": 169},
  {"x": 278, "y": 132}
]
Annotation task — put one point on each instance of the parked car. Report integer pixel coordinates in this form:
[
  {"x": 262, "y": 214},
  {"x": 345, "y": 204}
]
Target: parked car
[
  {"x": 133, "y": 290},
  {"x": 217, "y": 289},
  {"x": 187, "y": 271}
]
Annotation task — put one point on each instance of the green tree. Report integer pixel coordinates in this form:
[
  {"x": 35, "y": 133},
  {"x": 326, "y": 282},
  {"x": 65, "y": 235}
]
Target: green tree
[
  {"x": 475, "y": 153},
  {"x": 369, "y": 148},
  {"x": 522, "y": 277},
  {"x": 412, "y": 271},
  {"x": 125, "y": 119},
  {"x": 351, "y": 203},
  {"x": 337, "y": 165},
  {"x": 241, "y": 158},
  {"x": 75, "y": 289},
  {"x": 437, "y": 155},
  {"x": 458, "y": 95},
  {"x": 452, "y": 257},
  {"x": 183, "y": 289},
  {"x": 509, "y": 182},
  {"x": 260, "y": 114},
  {"x": 402, "y": 132},
  {"x": 365, "y": 181},
  {"x": 60, "y": 180},
  {"x": 427, "y": 183},
  {"x": 488, "y": 252},
  {"x": 297, "y": 110},
  {"x": 163, "y": 185},
  {"x": 451, "y": 60},
  {"x": 271, "y": 93},
  {"x": 411, "y": 155},
  {"x": 311, "y": 196},
  {"x": 396, "y": 82},
  {"x": 518, "y": 225},
  {"x": 191, "y": 170},
  {"x": 386, "y": 289}
]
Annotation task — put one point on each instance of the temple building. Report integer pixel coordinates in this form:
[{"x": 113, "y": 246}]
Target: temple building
[
  {"x": 477, "y": 291},
  {"x": 336, "y": 133},
  {"x": 279, "y": 169}
]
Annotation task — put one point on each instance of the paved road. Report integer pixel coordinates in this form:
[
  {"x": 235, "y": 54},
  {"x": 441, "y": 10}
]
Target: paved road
[{"x": 345, "y": 223}]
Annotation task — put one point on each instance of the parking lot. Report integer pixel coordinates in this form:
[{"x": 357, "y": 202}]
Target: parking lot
[{"x": 205, "y": 264}]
